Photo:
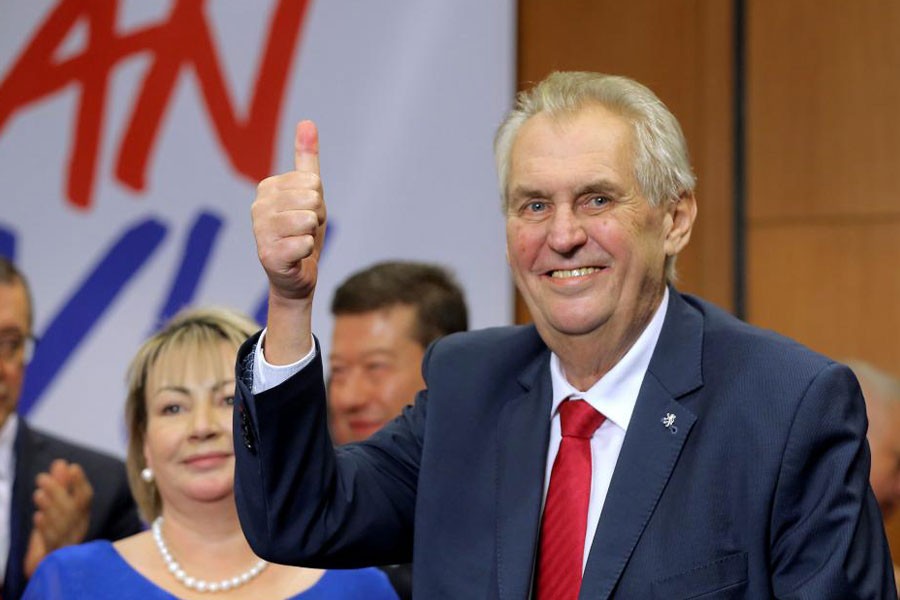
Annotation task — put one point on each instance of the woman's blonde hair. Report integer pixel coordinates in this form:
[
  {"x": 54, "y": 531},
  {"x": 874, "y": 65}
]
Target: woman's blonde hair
[{"x": 199, "y": 332}]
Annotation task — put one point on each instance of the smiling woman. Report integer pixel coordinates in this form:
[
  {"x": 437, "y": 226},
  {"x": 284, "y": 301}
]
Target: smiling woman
[{"x": 181, "y": 470}]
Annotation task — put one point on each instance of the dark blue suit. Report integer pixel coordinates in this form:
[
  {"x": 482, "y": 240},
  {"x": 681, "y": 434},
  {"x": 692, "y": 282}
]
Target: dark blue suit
[
  {"x": 759, "y": 489},
  {"x": 113, "y": 511}
]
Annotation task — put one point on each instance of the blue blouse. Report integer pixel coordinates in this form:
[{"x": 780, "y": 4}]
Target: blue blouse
[{"x": 96, "y": 570}]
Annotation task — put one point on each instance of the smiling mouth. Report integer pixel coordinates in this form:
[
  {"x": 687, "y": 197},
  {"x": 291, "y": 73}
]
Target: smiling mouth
[
  {"x": 206, "y": 459},
  {"x": 569, "y": 273}
]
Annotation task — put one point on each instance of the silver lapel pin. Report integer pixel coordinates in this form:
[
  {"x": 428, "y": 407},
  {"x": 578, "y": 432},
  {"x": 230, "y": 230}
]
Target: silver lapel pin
[{"x": 668, "y": 420}]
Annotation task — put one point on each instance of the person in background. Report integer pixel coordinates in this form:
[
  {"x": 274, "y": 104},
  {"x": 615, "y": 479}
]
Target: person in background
[
  {"x": 882, "y": 393},
  {"x": 181, "y": 470},
  {"x": 385, "y": 316},
  {"x": 52, "y": 492}
]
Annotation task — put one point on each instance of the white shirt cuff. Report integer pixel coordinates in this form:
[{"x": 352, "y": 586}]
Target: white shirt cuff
[{"x": 267, "y": 376}]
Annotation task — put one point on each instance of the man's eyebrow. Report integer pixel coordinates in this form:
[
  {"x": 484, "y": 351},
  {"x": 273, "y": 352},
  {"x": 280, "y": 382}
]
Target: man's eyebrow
[
  {"x": 521, "y": 191},
  {"x": 600, "y": 186},
  {"x": 375, "y": 352}
]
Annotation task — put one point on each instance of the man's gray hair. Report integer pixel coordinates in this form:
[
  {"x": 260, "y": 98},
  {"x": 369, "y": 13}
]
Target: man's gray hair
[{"x": 661, "y": 163}]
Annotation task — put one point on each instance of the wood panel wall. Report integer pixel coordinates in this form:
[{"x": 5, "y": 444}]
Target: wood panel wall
[
  {"x": 823, "y": 147},
  {"x": 681, "y": 49}
]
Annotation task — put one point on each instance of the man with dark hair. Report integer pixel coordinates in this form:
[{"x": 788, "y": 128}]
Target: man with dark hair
[
  {"x": 385, "y": 317},
  {"x": 52, "y": 493}
]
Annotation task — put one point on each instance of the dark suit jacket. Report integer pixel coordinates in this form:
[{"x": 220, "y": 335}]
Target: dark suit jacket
[
  {"x": 113, "y": 512},
  {"x": 759, "y": 488}
]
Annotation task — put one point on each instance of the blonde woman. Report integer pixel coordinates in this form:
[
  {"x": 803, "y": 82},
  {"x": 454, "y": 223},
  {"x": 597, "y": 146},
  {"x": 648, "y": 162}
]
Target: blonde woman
[{"x": 181, "y": 470}]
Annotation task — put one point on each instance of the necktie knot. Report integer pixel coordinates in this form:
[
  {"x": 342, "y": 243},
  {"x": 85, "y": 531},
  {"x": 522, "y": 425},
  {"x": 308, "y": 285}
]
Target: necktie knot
[{"x": 579, "y": 419}]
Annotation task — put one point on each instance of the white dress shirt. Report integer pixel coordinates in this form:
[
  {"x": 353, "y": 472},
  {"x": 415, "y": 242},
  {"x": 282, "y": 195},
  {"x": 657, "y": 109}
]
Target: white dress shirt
[
  {"x": 7, "y": 474},
  {"x": 614, "y": 396}
]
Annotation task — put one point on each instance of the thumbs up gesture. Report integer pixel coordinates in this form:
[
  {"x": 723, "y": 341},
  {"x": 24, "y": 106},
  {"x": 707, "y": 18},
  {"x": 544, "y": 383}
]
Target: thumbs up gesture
[
  {"x": 289, "y": 221},
  {"x": 289, "y": 227}
]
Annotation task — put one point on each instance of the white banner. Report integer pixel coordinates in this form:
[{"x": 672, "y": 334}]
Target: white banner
[{"x": 133, "y": 133}]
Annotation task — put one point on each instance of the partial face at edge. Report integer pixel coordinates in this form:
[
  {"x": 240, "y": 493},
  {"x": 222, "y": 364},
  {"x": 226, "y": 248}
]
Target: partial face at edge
[{"x": 14, "y": 316}]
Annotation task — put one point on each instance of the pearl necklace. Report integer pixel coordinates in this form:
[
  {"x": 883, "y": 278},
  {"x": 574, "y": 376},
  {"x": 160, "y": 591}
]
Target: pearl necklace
[{"x": 199, "y": 584}]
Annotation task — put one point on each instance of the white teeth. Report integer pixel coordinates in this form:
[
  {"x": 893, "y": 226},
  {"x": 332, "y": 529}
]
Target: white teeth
[{"x": 562, "y": 274}]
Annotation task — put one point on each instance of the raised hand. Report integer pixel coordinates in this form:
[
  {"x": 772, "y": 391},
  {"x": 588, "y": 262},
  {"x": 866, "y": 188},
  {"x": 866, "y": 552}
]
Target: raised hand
[
  {"x": 289, "y": 227},
  {"x": 289, "y": 220}
]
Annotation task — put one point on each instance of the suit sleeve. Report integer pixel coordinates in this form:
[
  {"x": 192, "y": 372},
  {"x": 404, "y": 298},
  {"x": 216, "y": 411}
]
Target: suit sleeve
[
  {"x": 827, "y": 535},
  {"x": 302, "y": 502}
]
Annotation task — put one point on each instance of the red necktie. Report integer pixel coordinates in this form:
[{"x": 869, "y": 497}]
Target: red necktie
[{"x": 564, "y": 526}]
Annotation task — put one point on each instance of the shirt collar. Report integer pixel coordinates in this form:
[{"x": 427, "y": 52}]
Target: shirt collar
[
  {"x": 615, "y": 394},
  {"x": 7, "y": 452}
]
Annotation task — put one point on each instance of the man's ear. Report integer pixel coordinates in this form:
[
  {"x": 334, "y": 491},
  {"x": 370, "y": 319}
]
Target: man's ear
[{"x": 680, "y": 215}]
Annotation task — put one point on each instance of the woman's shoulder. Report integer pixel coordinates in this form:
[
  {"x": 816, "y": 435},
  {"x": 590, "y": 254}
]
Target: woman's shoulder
[
  {"x": 369, "y": 583},
  {"x": 68, "y": 572},
  {"x": 87, "y": 554}
]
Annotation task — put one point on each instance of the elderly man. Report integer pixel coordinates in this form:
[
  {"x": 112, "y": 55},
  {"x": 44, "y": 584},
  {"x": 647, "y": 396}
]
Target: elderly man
[
  {"x": 385, "y": 316},
  {"x": 52, "y": 493},
  {"x": 633, "y": 443}
]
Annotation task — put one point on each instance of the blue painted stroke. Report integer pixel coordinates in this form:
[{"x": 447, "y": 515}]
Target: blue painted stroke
[
  {"x": 197, "y": 250},
  {"x": 7, "y": 243},
  {"x": 82, "y": 311}
]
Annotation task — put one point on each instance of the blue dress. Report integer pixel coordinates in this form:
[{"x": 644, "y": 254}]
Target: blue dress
[{"x": 96, "y": 570}]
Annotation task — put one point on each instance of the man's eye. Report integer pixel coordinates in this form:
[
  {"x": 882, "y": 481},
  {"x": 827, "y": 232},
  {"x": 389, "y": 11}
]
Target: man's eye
[
  {"x": 535, "y": 206},
  {"x": 597, "y": 201}
]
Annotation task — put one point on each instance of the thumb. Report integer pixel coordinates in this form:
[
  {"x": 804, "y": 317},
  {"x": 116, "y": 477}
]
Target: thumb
[{"x": 306, "y": 147}]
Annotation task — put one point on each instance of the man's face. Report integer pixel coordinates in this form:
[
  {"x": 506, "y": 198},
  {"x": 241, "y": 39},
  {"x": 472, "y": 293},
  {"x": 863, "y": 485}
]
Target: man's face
[
  {"x": 884, "y": 442},
  {"x": 13, "y": 328},
  {"x": 375, "y": 370},
  {"x": 586, "y": 249}
]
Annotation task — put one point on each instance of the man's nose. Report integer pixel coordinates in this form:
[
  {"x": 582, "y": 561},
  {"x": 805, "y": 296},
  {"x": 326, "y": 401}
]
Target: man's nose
[
  {"x": 351, "y": 394},
  {"x": 566, "y": 230}
]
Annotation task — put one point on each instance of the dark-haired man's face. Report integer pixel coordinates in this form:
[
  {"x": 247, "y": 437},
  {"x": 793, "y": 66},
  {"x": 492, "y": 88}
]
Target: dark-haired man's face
[
  {"x": 375, "y": 370},
  {"x": 14, "y": 329}
]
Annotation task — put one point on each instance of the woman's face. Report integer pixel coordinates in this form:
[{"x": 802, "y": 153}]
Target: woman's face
[{"x": 188, "y": 444}]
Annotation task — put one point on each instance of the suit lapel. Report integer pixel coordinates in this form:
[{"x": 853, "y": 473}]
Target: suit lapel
[
  {"x": 523, "y": 435},
  {"x": 21, "y": 510},
  {"x": 650, "y": 450}
]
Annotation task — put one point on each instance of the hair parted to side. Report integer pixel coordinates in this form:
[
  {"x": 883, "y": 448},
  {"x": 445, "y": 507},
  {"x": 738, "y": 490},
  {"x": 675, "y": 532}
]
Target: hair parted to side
[
  {"x": 431, "y": 290},
  {"x": 199, "y": 332},
  {"x": 662, "y": 165},
  {"x": 10, "y": 275}
]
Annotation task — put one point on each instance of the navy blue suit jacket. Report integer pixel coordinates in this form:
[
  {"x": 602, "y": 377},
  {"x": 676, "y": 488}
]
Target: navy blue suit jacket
[
  {"x": 113, "y": 511},
  {"x": 759, "y": 489}
]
